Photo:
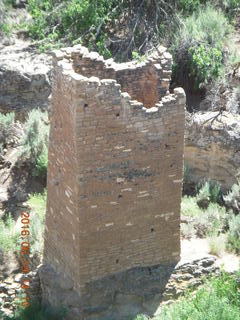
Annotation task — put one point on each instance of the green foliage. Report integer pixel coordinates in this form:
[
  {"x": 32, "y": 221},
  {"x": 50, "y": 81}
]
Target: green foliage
[
  {"x": 205, "y": 26},
  {"x": 232, "y": 199},
  {"x": 94, "y": 22},
  {"x": 9, "y": 2},
  {"x": 206, "y": 63},
  {"x": 36, "y": 312},
  {"x": 35, "y": 142},
  {"x": 37, "y": 202},
  {"x": 199, "y": 43},
  {"x": 189, "y": 207},
  {"x": 6, "y": 120},
  {"x": 5, "y": 28},
  {"x": 212, "y": 220},
  {"x": 231, "y": 7},
  {"x": 102, "y": 48},
  {"x": 203, "y": 222},
  {"x": 209, "y": 190},
  {"x": 217, "y": 244},
  {"x": 218, "y": 299},
  {"x": 233, "y": 240},
  {"x": 136, "y": 56},
  {"x": 6, "y": 127},
  {"x": 8, "y": 235},
  {"x": 40, "y": 169},
  {"x": 70, "y": 21},
  {"x": 189, "y": 6}
]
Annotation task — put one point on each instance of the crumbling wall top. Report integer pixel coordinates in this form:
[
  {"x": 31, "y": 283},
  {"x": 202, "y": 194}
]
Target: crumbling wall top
[{"x": 146, "y": 81}]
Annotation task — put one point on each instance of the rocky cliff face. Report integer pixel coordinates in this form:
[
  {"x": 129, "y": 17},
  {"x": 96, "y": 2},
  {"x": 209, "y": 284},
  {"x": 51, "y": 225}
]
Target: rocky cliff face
[
  {"x": 24, "y": 78},
  {"x": 212, "y": 146},
  {"x": 212, "y": 138}
]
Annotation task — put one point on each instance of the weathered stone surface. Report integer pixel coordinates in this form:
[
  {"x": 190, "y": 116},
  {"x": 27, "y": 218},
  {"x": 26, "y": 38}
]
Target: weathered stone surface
[
  {"x": 24, "y": 78},
  {"x": 10, "y": 287},
  {"x": 125, "y": 294},
  {"x": 212, "y": 146}
]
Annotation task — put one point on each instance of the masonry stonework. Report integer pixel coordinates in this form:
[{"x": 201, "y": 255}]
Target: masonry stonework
[{"x": 114, "y": 178}]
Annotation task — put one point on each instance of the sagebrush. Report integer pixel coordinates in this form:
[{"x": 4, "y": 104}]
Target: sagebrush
[
  {"x": 9, "y": 236},
  {"x": 6, "y": 127},
  {"x": 198, "y": 47},
  {"x": 34, "y": 143}
]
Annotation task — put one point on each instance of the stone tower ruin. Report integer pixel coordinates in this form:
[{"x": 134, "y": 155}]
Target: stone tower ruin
[{"x": 114, "y": 183}]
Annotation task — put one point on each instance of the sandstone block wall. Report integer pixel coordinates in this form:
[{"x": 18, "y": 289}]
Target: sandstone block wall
[{"x": 115, "y": 165}]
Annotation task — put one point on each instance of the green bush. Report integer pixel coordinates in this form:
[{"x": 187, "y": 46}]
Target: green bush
[
  {"x": 94, "y": 22},
  {"x": 35, "y": 142},
  {"x": 206, "y": 63},
  {"x": 209, "y": 191},
  {"x": 6, "y": 120},
  {"x": 189, "y": 207},
  {"x": 233, "y": 239},
  {"x": 6, "y": 126},
  {"x": 189, "y": 6},
  {"x": 212, "y": 221},
  {"x": 232, "y": 199},
  {"x": 37, "y": 203},
  {"x": 203, "y": 222},
  {"x": 71, "y": 22},
  {"x": 9, "y": 2},
  {"x": 231, "y": 7},
  {"x": 8, "y": 236},
  {"x": 205, "y": 26},
  {"x": 5, "y": 27},
  {"x": 199, "y": 44},
  {"x": 218, "y": 299},
  {"x": 217, "y": 244},
  {"x": 40, "y": 169}
]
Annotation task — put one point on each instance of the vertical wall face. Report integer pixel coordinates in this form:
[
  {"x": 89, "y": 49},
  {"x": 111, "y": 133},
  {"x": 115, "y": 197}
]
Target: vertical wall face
[
  {"x": 130, "y": 185},
  {"x": 115, "y": 171},
  {"x": 62, "y": 225}
]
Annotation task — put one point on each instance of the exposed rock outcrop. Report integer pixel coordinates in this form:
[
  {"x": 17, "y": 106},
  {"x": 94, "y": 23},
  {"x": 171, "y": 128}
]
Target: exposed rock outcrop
[
  {"x": 24, "y": 78},
  {"x": 142, "y": 290},
  {"x": 212, "y": 147}
]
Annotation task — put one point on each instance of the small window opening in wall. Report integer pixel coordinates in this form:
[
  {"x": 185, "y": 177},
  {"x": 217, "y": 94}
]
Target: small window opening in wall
[
  {"x": 117, "y": 261},
  {"x": 152, "y": 230},
  {"x": 117, "y": 114},
  {"x": 120, "y": 196},
  {"x": 171, "y": 165},
  {"x": 85, "y": 105}
]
